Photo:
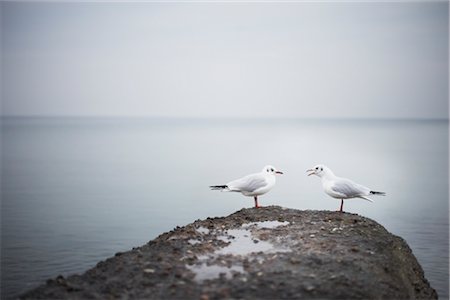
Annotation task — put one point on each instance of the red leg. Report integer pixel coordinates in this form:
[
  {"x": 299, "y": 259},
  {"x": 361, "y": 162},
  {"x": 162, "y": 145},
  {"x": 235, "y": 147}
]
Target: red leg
[
  {"x": 256, "y": 202},
  {"x": 342, "y": 205}
]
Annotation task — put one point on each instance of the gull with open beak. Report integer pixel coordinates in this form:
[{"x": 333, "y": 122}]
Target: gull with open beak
[
  {"x": 341, "y": 188},
  {"x": 252, "y": 185}
]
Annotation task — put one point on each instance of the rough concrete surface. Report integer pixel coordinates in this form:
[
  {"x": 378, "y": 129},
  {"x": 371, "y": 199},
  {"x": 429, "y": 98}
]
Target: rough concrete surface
[{"x": 270, "y": 252}]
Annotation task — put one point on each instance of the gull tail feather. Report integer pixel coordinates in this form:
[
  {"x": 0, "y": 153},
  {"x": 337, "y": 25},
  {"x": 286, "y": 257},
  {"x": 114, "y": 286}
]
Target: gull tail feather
[
  {"x": 219, "y": 187},
  {"x": 377, "y": 193},
  {"x": 366, "y": 198}
]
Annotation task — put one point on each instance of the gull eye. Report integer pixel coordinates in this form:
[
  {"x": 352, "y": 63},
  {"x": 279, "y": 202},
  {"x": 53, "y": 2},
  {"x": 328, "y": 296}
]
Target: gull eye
[
  {"x": 317, "y": 168},
  {"x": 321, "y": 169},
  {"x": 271, "y": 170}
]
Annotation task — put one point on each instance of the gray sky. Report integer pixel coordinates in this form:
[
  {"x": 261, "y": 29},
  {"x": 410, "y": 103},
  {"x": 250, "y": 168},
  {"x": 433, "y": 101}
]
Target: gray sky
[{"x": 226, "y": 59}]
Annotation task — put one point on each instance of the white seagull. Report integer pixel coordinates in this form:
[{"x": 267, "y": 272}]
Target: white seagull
[
  {"x": 252, "y": 185},
  {"x": 341, "y": 188}
]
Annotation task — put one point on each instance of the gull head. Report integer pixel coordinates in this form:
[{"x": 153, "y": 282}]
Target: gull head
[
  {"x": 271, "y": 170},
  {"x": 319, "y": 170}
]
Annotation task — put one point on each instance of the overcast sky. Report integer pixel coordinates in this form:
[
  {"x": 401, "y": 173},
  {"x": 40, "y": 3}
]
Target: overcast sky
[{"x": 349, "y": 59}]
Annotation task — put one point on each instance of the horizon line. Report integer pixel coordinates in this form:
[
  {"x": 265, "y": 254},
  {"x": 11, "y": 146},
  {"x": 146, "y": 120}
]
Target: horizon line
[{"x": 224, "y": 117}]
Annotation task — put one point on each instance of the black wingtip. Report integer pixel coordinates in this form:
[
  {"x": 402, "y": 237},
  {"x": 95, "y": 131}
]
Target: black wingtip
[
  {"x": 218, "y": 187},
  {"x": 377, "y": 193}
]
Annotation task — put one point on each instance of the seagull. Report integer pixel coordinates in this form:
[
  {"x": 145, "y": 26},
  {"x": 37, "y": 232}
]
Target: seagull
[
  {"x": 341, "y": 188},
  {"x": 252, "y": 185}
]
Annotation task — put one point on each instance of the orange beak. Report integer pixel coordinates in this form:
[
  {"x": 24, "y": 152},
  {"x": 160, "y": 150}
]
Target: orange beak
[{"x": 311, "y": 170}]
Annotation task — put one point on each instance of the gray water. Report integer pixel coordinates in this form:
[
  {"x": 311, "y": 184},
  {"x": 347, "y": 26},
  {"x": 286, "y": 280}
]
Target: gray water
[{"x": 76, "y": 191}]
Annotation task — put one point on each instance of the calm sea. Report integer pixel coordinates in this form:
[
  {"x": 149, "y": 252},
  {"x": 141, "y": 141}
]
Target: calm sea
[{"x": 76, "y": 191}]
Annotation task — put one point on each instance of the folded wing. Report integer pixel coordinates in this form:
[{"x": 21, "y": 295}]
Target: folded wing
[
  {"x": 349, "y": 189},
  {"x": 249, "y": 183}
]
